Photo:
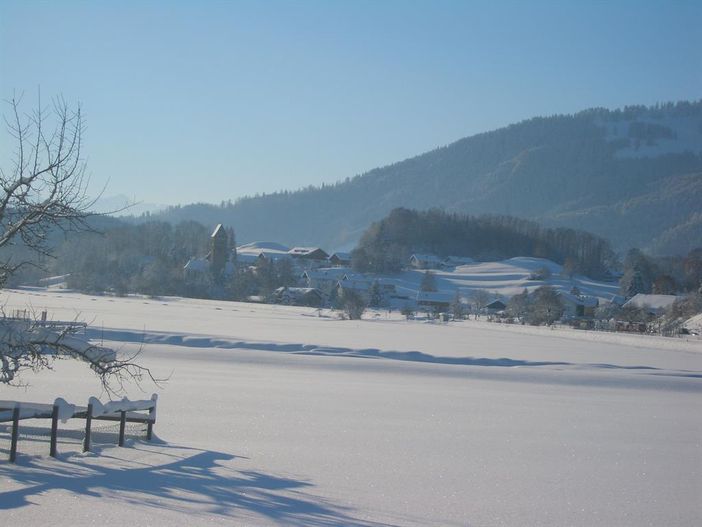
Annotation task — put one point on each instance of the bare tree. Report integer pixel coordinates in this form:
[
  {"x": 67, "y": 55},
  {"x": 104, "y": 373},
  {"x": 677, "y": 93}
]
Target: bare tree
[
  {"x": 480, "y": 298},
  {"x": 44, "y": 191},
  {"x": 29, "y": 344},
  {"x": 354, "y": 305}
]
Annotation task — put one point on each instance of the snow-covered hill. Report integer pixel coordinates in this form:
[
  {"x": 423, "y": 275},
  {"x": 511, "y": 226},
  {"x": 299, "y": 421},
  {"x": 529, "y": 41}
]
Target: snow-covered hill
[{"x": 500, "y": 279}]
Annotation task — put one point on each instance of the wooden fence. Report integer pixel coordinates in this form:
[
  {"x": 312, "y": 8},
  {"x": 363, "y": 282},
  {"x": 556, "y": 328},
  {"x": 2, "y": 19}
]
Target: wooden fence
[{"x": 124, "y": 411}]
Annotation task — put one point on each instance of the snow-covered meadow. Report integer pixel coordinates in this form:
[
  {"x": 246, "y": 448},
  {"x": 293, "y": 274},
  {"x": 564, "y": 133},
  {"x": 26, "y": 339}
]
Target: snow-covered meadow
[{"x": 288, "y": 416}]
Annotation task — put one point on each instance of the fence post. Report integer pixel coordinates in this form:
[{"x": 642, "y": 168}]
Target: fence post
[
  {"x": 54, "y": 430},
  {"x": 122, "y": 423},
  {"x": 88, "y": 422},
  {"x": 15, "y": 434},
  {"x": 152, "y": 418}
]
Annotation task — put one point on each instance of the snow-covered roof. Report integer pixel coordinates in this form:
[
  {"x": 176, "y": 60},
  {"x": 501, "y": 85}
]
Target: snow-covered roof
[
  {"x": 587, "y": 301},
  {"x": 429, "y": 258},
  {"x": 343, "y": 256},
  {"x": 498, "y": 303},
  {"x": 263, "y": 246},
  {"x": 327, "y": 273},
  {"x": 350, "y": 275},
  {"x": 219, "y": 230},
  {"x": 655, "y": 302},
  {"x": 307, "y": 251},
  {"x": 356, "y": 285}
]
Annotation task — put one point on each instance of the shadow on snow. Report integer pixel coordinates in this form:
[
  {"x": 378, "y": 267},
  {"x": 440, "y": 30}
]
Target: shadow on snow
[
  {"x": 193, "y": 481},
  {"x": 195, "y": 341}
]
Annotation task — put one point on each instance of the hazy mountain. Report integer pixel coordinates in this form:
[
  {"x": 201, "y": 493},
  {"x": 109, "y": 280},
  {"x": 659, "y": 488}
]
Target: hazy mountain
[
  {"x": 633, "y": 176},
  {"x": 121, "y": 205}
]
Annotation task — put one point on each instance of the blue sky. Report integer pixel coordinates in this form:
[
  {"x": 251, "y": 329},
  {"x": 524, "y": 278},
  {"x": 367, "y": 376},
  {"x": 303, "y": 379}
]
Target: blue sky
[{"x": 208, "y": 101}]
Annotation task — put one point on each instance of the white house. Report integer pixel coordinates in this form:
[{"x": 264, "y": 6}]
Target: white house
[
  {"x": 324, "y": 279},
  {"x": 425, "y": 261},
  {"x": 340, "y": 259}
]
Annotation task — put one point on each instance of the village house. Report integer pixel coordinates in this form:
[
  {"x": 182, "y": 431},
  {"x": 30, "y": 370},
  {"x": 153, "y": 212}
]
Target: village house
[
  {"x": 494, "y": 307},
  {"x": 360, "y": 286},
  {"x": 425, "y": 261},
  {"x": 340, "y": 259},
  {"x": 299, "y": 296},
  {"x": 577, "y": 306},
  {"x": 308, "y": 257},
  {"x": 434, "y": 300},
  {"x": 324, "y": 279},
  {"x": 271, "y": 255},
  {"x": 308, "y": 253}
]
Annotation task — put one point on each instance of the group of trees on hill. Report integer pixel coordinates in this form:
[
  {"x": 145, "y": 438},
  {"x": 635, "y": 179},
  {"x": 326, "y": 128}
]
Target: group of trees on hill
[
  {"x": 387, "y": 245},
  {"x": 662, "y": 276},
  {"x": 146, "y": 258}
]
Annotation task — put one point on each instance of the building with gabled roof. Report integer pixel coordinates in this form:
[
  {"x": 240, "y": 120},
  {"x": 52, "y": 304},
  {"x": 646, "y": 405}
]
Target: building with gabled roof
[
  {"x": 309, "y": 253},
  {"x": 425, "y": 261},
  {"x": 340, "y": 259},
  {"x": 434, "y": 299},
  {"x": 299, "y": 296},
  {"x": 578, "y": 305}
]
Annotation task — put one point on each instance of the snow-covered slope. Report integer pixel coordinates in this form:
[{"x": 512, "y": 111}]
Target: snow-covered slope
[
  {"x": 276, "y": 415},
  {"x": 504, "y": 278},
  {"x": 666, "y": 135},
  {"x": 262, "y": 246}
]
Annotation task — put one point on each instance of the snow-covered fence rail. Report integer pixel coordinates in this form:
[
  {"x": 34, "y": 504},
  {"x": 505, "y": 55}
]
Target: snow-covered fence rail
[
  {"x": 25, "y": 316},
  {"x": 124, "y": 411}
]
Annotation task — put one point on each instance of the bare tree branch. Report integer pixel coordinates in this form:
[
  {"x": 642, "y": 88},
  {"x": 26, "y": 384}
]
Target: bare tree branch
[{"x": 46, "y": 191}]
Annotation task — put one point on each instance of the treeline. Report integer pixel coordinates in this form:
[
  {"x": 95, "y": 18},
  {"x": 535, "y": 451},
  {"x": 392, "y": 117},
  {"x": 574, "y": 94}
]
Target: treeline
[
  {"x": 387, "y": 245},
  {"x": 146, "y": 258},
  {"x": 149, "y": 258}
]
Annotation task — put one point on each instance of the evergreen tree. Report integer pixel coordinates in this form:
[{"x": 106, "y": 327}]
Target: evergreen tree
[{"x": 428, "y": 282}]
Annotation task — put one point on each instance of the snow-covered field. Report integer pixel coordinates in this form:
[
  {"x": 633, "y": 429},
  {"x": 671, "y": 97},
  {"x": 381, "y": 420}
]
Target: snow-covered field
[{"x": 286, "y": 416}]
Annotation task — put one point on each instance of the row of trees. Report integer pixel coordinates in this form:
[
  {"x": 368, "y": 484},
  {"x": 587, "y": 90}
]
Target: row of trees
[
  {"x": 149, "y": 259},
  {"x": 387, "y": 244}
]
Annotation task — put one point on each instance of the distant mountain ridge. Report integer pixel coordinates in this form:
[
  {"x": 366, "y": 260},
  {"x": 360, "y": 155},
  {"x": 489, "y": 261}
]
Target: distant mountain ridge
[{"x": 633, "y": 176}]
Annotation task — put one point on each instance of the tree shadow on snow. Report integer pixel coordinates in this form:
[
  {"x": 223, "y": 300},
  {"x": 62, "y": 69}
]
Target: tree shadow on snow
[
  {"x": 184, "y": 480},
  {"x": 202, "y": 341}
]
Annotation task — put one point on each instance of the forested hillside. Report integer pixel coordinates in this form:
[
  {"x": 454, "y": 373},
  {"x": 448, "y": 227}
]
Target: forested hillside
[{"x": 633, "y": 176}]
